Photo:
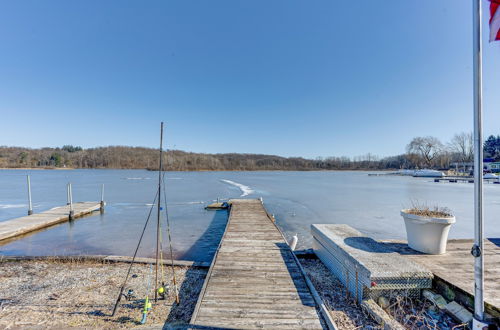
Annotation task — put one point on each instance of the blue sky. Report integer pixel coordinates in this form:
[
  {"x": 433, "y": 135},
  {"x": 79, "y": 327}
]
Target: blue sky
[{"x": 294, "y": 78}]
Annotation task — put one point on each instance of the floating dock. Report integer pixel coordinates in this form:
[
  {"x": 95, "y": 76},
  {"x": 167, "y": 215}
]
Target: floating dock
[
  {"x": 37, "y": 221},
  {"x": 254, "y": 280}
]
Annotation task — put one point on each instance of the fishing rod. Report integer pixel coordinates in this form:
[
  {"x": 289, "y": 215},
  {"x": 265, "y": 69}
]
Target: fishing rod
[
  {"x": 161, "y": 290},
  {"x": 135, "y": 254},
  {"x": 159, "y": 213},
  {"x": 176, "y": 291}
]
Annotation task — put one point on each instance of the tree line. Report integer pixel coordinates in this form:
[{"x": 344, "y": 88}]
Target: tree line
[
  {"x": 430, "y": 152},
  {"x": 421, "y": 152},
  {"x": 124, "y": 157}
]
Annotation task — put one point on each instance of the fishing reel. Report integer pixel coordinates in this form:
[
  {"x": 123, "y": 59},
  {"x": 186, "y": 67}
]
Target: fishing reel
[
  {"x": 163, "y": 291},
  {"x": 129, "y": 295}
]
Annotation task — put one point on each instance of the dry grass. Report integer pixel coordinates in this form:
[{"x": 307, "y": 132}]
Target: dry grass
[
  {"x": 77, "y": 293},
  {"x": 418, "y": 314},
  {"x": 424, "y": 210},
  {"x": 344, "y": 310},
  {"x": 410, "y": 313}
]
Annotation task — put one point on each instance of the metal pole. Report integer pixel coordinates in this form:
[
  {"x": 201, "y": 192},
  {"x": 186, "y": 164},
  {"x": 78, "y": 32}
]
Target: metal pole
[
  {"x": 30, "y": 205},
  {"x": 70, "y": 194},
  {"x": 159, "y": 212},
  {"x": 102, "y": 199},
  {"x": 477, "y": 248}
]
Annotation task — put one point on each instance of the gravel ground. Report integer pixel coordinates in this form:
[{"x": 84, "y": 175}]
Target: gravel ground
[
  {"x": 345, "y": 312},
  {"x": 75, "y": 293},
  {"x": 82, "y": 294}
]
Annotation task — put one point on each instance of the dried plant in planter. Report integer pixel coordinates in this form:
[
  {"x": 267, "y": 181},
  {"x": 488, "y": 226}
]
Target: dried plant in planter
[{"x": 424, "y": 210}]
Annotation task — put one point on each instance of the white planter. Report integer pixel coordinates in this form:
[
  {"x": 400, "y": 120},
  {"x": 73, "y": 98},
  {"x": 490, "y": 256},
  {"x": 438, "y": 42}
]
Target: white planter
[{"x": 427, "y": 235}]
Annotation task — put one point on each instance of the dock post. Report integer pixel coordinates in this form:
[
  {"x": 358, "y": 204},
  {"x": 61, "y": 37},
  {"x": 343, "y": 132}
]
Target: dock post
[
  {"x": 101, "y": 209},
  {"x": 30, "y": 205},
  {"x": 67, "y": 194},
  {"x": 70, "y": 195}
]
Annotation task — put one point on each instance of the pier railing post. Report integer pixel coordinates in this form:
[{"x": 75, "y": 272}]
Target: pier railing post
[
  {"x": 67, "y": 194},
  {"x": 101, "y": 209},
  {"x": 30, "y": 205},
  {"x": 70, "y": 195}
]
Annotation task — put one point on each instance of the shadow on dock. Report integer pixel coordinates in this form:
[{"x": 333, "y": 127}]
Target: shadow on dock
[
  {"x": 368, "y": 244},
  {"x": 296, "y": 275}
]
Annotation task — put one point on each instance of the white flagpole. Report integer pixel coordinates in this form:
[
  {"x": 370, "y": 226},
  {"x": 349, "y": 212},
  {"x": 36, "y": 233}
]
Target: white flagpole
[{"x": 477, "y": 249}]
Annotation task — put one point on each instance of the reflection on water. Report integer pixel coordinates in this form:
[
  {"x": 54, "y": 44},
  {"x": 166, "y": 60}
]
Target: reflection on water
[{"x": 297, "y": 199}]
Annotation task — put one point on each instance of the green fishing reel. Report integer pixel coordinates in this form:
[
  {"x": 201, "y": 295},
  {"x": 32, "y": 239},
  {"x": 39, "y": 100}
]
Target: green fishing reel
[{"x": 162, "y": 291}]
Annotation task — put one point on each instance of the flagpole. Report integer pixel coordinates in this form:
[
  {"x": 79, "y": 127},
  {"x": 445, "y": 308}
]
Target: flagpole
[{"x": 477, "y": 249}]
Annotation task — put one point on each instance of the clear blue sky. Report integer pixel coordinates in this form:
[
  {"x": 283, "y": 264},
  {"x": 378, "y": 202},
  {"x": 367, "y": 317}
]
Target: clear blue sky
[{"x": 294, "y": 78}]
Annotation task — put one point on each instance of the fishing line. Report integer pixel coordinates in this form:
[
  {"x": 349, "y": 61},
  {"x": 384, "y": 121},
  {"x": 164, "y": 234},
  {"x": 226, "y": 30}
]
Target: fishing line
[{"x": 170, "y": 242}]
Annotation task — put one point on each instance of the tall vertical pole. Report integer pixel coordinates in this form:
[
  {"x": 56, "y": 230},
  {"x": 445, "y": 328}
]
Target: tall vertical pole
[
  {"x": 477, "y": 249},
  {"x": 67, "y": 194},
  {"x": 101, "y": 209},
  {"x": 159, "y": 213},
  {"x": 70, "y": 194},
  {"x": 30, "y": 205}
]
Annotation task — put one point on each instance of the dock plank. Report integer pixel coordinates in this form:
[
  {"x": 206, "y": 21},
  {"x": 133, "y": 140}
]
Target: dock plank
[{"x": 254, "y": 281}]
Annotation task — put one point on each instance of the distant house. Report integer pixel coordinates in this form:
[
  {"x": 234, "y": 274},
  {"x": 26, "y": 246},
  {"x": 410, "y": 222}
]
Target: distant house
[
  {"x": 465, "y": 167},
  {"x": 489, "y": 165},
  {"x": 494, "y": 167}
]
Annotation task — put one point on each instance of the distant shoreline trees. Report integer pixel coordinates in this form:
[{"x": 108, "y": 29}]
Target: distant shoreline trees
[{"x": 422, "y": 152}]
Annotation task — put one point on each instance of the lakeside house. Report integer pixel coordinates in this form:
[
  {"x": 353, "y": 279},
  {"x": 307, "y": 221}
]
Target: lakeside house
[{"x": 467, "y": 167}]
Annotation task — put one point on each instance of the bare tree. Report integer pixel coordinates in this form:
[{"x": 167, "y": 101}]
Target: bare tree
[
  {"x": 462, "y": 145},
  {"x": 427, "y": 148}
]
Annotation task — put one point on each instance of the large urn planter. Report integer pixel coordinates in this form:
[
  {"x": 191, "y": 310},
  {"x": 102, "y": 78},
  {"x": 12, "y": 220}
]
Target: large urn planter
[{"x": 427, "y": 233}]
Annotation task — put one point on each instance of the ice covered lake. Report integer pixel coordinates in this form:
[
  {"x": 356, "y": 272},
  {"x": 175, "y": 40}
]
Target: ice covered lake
[{"x": 370, "y": 204}]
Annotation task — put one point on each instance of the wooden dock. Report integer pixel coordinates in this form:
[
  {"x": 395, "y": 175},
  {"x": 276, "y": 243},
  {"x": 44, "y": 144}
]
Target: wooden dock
[
  {"x": 455, "y": 268},
  {"x": 464, "y": 179},
  {"x": 20, "y": 226},
  {"x": 254, "y": 280}
]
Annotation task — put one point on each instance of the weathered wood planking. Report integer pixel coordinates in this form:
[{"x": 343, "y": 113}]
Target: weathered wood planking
[
  {"x": 456, "y": 266},
  {"x": 37, "y": 221},
  {"x": 254, "y": 281}
]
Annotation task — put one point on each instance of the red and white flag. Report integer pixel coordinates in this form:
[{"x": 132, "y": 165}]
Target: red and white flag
[{"x": 494, "y": 20}]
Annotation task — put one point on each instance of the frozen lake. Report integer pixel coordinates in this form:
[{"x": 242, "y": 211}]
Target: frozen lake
[{"x": 370, "y": 204}]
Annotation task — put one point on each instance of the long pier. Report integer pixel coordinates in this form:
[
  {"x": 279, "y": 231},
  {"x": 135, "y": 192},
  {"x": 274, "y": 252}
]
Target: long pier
[
  {"x": 20, "y": 226},
  {"x": 466, "y": 179},
  {"x": 254, "y": 280}
]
